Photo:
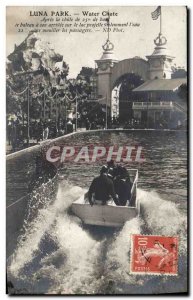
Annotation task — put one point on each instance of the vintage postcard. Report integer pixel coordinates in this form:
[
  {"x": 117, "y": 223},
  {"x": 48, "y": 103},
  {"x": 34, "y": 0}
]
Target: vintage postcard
[{"x": 96, "y": 144}]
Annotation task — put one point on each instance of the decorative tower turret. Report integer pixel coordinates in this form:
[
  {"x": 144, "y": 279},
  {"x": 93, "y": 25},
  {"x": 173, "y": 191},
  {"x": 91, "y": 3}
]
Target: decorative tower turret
[
  {"x": 105, "y": 65},
  {"x": 160, "y": 62}
]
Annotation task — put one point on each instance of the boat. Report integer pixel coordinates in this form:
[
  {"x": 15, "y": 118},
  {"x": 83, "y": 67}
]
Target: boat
[{"x": 110, "y": 214}]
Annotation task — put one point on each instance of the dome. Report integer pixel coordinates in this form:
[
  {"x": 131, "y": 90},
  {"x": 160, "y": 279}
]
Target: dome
[
  {"x": 159, "y": 50},
  {"x": 107, "y": 55}
]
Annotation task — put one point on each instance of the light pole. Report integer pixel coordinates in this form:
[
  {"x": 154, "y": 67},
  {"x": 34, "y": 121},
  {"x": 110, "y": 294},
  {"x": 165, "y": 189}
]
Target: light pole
[
  {"x": 65, "y": 115},
  {"x": 147, "y": 113},
  {"x": 28, "y": 76},
  {"x": 106, "y": 126},
  {"x": 28, "y": 116},
  {"x": 76, "y": 82},
  {"x": 76, "y": 113},
  {"x": 44, "y": 103},
  {"x": 56, "y": 103}
]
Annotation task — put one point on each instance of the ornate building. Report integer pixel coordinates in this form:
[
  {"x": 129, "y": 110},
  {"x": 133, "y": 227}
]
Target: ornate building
[{"x": 146, "y": 90}]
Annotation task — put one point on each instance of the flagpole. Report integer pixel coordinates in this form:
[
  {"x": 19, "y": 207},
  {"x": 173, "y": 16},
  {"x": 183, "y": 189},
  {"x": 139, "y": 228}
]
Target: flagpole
[
  {"x": 106, "y": 113},
  {"x": 108, "y": 23}
]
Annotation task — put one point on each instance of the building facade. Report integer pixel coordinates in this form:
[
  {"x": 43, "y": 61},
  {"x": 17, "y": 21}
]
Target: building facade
[{"x": 146, "y": 90}]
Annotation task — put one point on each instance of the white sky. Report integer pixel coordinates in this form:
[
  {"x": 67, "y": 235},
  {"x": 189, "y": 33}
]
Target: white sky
[{"x": 82, "y": 49}]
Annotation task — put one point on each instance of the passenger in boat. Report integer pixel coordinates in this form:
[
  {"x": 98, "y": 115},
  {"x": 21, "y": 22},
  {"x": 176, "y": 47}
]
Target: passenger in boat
[
  {"x": 102, "y": 187},
  {"x": 112, "y": 168},
  {"x": 110, "y": 173},
  {"x": 111, "y": 164},
  {"x": 122, "y": 186}
]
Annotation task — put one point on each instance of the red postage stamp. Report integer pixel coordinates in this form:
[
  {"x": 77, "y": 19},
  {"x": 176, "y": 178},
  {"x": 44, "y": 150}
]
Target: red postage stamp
[{"x": 155, "y": 255}]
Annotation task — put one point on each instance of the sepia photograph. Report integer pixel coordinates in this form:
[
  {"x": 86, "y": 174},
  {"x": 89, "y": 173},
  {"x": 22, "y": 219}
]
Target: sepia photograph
[{"x": 97, "y": 150}]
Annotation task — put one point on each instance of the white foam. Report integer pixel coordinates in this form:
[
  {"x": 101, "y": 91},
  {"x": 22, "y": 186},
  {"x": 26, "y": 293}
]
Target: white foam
[
  {"x": 118, "y": 256},
  {"x": 163, "y": 217},
  {"x": 81, "y": 252},
  {"x": 29, "y": 243},
  {"x": 74, "y": 266}
]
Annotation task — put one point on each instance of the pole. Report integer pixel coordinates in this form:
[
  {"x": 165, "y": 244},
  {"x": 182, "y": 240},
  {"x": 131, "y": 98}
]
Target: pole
[
  {"x": 28, "y": 120},
  {"x": 147, "y": 113},
  {"x": 76, "y": 114},
  {"x": 106, "y": 114},
  {"x": 56, "y": 111},
  {"x": 160, "y": 20},
  {"x": 65, "y": 116},
  {"x": 44, "y": 106},
  {"x": 108, "y": 23}
]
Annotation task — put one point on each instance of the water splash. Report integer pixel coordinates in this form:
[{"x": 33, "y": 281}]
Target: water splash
[
  {"x": 35, "y": 230},
  {"x": 163, "y": 217},
  {"x": 81, "y": 264},
  {"x": 76, "y": 274},
  {"x": 117, "y": 268}
]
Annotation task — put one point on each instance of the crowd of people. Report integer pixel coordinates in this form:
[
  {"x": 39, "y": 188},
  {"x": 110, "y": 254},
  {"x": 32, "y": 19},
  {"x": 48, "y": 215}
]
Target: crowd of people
[
  {"x": 19, "y": 135},
  {"x": 100, "y": 122},
  {"x": 113, "y": 182}
]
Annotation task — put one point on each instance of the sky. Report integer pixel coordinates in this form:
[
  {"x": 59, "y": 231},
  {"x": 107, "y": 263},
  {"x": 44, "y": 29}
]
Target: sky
[{"x": 83, "y": 49}]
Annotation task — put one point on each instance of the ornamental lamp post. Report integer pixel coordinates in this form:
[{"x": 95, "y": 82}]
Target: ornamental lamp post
[
  {"x": 28, "y": 116},
  {"x": 28, "y": 77},
  {"x": 77, "y": 81}
]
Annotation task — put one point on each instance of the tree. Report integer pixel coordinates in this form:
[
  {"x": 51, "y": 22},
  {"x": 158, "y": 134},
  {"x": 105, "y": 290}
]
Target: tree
[{"x": 183, "y": 92}]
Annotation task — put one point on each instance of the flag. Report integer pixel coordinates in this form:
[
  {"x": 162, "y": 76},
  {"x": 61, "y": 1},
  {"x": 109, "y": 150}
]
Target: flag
[
  {"x": 156, "y": 13},
  {"x": 107, "y": 20}
]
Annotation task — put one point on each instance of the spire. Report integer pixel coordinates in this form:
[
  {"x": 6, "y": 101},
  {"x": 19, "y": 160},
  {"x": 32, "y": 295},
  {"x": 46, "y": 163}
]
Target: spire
[
  {"x": 160, "y": 40},
  {"x": 159, "y": 62},
  {"x": 108, "y": 46}
]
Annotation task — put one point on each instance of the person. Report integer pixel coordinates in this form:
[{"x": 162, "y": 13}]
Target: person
[
  {"x": 102, "y": 188},
  {"x": 123, "y": 186},
  {"x": 13, "y": 136},
  {"x": 39, "y": 133},
  {"x": 46, "y": 132},
  {"x": 87, "y": 124},
  {"x": 9, "y": 131},
  {"x": 112, "y": 168},
  {"x": 111, "y": 164},
  {"x": 110, "y": 173},
  {"x": 69, "y": 126}
]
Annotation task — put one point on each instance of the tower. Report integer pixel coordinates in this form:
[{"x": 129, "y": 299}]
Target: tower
[
  {"x": 105, "y": 65},
  {"x": 160, "y": 62}
]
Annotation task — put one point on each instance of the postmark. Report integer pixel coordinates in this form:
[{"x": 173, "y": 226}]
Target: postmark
[{"x": 154, "y": 255}]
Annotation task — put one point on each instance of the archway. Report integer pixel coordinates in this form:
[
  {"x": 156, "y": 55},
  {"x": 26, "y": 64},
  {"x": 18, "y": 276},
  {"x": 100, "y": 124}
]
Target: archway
[
  {"x": 134, "y": 65},
  {"x": 126, "y": 75},
  {"x": 111, "y": 74},
  {"x": 123, "y": 96}
]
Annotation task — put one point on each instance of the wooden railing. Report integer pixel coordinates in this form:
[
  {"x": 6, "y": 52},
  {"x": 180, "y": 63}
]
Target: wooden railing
[{"x": 153, "y": 105}]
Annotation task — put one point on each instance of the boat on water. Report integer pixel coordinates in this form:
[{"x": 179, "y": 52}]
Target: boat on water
[{"x": 110, "y": 214}]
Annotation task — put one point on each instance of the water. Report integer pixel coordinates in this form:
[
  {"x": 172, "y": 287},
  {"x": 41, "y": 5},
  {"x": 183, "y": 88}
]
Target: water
[{"x": 57, "y": 255}]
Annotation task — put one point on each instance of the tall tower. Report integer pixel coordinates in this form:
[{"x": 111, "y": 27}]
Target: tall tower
[
  {"x": 105, "y": 65},
  {"x": 160, "y": 62}
]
